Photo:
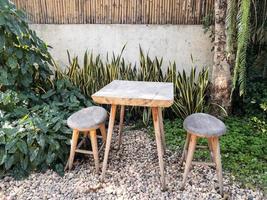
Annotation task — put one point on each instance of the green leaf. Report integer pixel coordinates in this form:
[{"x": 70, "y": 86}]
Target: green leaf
[
  {"x": 57, "y": 126},
  {"x": 22, "y": 147},
  {"x": 24, "y": 162},
  {"x": 19, "y": 53},
  {"x": 3, "y": 156},
  {"x": 50, "y": 158},
  {"x": 33, "y": 154},
  {"x": 11, "y": 144},
  {"x": 48, "y": 94},
  {"x": 9, "y": 162},
  {"x": 2, "y": 20},
  {"x": 59, "y": 169},
  {"x": 2, "y": 139},
  {"x": 2, "y": 41},
  {"x": 4, "y": 80},
  {"x": 12, "y": 62},
  {"x": 41, "y": 140},
  {"x": 30, "y": 139}
]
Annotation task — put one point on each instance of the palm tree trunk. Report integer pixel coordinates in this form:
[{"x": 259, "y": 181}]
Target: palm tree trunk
[{"x": 221, "y": 72}]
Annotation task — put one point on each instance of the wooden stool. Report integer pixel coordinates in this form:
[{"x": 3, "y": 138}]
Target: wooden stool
[
  {"x": 87, "y": 120},
  {"x": 207, "y": 126}
]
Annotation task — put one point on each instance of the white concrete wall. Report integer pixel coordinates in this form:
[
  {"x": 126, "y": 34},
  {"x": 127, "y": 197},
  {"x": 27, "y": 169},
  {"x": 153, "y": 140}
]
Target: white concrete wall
[{"x": 172, "y": 42}]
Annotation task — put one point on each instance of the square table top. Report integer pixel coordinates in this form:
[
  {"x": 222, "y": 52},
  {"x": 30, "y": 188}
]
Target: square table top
[{"x": 136, "y": 93}]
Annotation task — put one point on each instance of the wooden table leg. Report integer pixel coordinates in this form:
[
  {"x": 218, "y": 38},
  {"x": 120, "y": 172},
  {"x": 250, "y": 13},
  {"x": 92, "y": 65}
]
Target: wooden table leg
[
  {"x": 155, "y": 114},
  {"x": 121, "y": 124},
  {"x": 109, "y": 137},
  {"x": 162, "y": 130}
]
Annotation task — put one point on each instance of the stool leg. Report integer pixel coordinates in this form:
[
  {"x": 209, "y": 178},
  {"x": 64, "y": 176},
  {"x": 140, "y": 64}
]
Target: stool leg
[
  {"x": 103, "y": 132},
  {"x": 93, "y": 139},
  {"x": 217, "y": 159},
  {"x": 74, "y": 141},
  {"x": 184, "y": 154},
  {"x": 210, "y": 149},
  {"x": 191, "y": 150},
  {"x": 121, "y": 124}
]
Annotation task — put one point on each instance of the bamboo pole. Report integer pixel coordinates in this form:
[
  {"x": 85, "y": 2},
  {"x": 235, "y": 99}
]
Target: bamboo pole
[{"x": 116, "y": 11}]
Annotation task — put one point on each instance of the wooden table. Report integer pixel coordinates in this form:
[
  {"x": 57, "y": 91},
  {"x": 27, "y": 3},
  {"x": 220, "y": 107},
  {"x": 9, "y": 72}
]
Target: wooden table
[{"x": 135, "y": 93}]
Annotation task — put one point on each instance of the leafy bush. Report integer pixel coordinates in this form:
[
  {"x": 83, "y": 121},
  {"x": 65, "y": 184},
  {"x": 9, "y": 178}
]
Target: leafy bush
[
  {"x": 243, "y": 148},
  {"x": 33, "y": 107},
  {"x": 24, "y": 58},
  {"x": 190, "y": 90},
  {"x": 35, "y": 136},
  {"x": 256, "y": 97}
]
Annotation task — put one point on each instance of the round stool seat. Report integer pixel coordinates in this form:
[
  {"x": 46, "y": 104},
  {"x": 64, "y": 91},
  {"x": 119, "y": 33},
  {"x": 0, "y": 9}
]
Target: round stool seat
[
  {"x": 87, "y": 118},
  {"x": 204, "y": 125}
]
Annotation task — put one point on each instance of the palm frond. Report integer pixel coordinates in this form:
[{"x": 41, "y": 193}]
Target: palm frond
[
  {"x": 243, "y": 20},
  {"x": 231, "y": 28}
]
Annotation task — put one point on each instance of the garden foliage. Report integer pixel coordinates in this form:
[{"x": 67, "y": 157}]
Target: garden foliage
[
  {"x": 33, "y": 107},
  {"x": 190, "y": 89},
  {"x": 24, "y": 58},
  {"x": 33, "y": 133}
]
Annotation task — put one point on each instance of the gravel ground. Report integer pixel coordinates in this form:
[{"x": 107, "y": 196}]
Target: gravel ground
[{"x": 133, "y": 173}]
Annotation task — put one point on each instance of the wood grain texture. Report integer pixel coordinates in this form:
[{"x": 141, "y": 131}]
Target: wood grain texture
[
  {"x": 136, "y": 93},
  {"x": 184, "y": 154},
  {"x": 116, "y": 11},
  {"x": 162, "y": 134},
  {"x": 74, "y": 141},
  {"x": 156, "y": 122},
  {"x": 189, "y": 158},
  {"x": 103, "y": 132},
  {"x": 217, "y": 158},
  {"x": 93, "y": 139},
  {"x": 122, "y": 111}
]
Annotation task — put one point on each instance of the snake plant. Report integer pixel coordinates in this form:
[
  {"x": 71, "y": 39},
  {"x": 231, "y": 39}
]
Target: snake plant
[{"x": 190, "y": 89}]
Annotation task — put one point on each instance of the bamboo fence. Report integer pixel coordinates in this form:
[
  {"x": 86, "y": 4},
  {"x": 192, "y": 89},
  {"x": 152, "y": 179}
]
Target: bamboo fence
[{"x": 116, "y": 11}]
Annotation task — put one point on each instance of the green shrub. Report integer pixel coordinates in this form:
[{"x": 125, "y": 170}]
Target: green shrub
[
  {"x": 33, "y": 107},
  {"x": 190, "y": 90},
  {"x": 256, "y": 98},
  {"x": 35, "y": 136},
  {"x": 24, "y": 58}
]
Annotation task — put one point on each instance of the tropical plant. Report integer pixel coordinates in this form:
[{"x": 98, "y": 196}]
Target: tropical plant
[
  {"x": 190, "y": 89},
  {"x": 33, "y": 107},
  {"x": 24, "y": 58},
  {"x": 190, "y": 92},
  {"x": 35, "y": 136},
  {"x": 231, "y": 29},
  {"x": 246, "y": 27},
  {"x": 243, "y": 36}
]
